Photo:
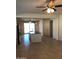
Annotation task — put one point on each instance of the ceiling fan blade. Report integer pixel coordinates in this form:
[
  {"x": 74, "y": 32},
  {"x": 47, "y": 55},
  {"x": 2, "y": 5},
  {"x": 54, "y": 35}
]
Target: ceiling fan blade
[
  {"x": 58, "y": 5},
  {"x": 44, "y": 9},
  {"x": 54, "y": 9}
]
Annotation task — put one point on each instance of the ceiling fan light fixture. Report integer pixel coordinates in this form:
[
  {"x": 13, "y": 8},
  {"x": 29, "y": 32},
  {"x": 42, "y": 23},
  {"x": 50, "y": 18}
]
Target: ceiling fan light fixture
[
  {"x": 52, "y": 10},
  {"x": 49, "y": 10}
]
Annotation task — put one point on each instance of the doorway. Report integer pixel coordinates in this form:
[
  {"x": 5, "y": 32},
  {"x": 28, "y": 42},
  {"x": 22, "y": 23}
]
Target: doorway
[{"x": 51, "y": 28}]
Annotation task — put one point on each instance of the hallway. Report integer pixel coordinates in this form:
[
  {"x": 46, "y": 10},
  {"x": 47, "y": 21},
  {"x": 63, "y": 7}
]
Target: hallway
[{"x": 47, "y": 49}]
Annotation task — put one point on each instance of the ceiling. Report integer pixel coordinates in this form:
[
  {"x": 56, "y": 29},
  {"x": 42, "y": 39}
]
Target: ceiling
[{"x": 29, "y": 6}]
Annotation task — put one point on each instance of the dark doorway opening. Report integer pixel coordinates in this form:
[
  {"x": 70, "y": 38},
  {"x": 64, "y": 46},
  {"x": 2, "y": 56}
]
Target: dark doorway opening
[{"x": 51, "y": 28}]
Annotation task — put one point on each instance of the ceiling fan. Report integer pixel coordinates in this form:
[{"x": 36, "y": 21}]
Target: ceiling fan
[{"x": 50, "y": 6}]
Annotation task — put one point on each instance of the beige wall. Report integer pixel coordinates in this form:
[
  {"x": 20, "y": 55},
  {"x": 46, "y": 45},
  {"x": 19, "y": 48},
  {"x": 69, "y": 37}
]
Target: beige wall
[
  {"x": 43, "y": 26},
  {"x": 37, "y": 26},
  {"x": 46, "y": 27},
  {"x": 60, "y": 27},
  {"x": 21, "y": 25}
]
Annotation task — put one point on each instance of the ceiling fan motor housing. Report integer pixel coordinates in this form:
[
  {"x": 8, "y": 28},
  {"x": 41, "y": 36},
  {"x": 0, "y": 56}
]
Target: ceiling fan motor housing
[{"x": 51, "y": 4}]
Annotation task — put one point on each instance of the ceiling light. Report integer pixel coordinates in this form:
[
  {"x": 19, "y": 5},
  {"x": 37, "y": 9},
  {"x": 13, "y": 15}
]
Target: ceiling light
[
  {"x": 52, "y": 10},
  {"x": 48, "y": 10}
]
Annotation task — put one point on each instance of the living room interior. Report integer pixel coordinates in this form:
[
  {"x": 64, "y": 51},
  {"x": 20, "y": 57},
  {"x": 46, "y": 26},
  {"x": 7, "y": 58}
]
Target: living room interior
[{"x": 39, "y": 32}]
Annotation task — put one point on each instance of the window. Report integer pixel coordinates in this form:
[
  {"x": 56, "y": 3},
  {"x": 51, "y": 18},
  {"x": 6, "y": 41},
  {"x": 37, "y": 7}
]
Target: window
[{"x": 29, "y": 28}]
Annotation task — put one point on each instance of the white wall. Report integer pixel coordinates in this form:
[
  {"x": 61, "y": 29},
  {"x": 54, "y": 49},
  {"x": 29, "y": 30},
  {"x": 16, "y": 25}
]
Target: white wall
[
  {"x": 57, "y": 27},
  {"x": 41, "y": 27}
]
